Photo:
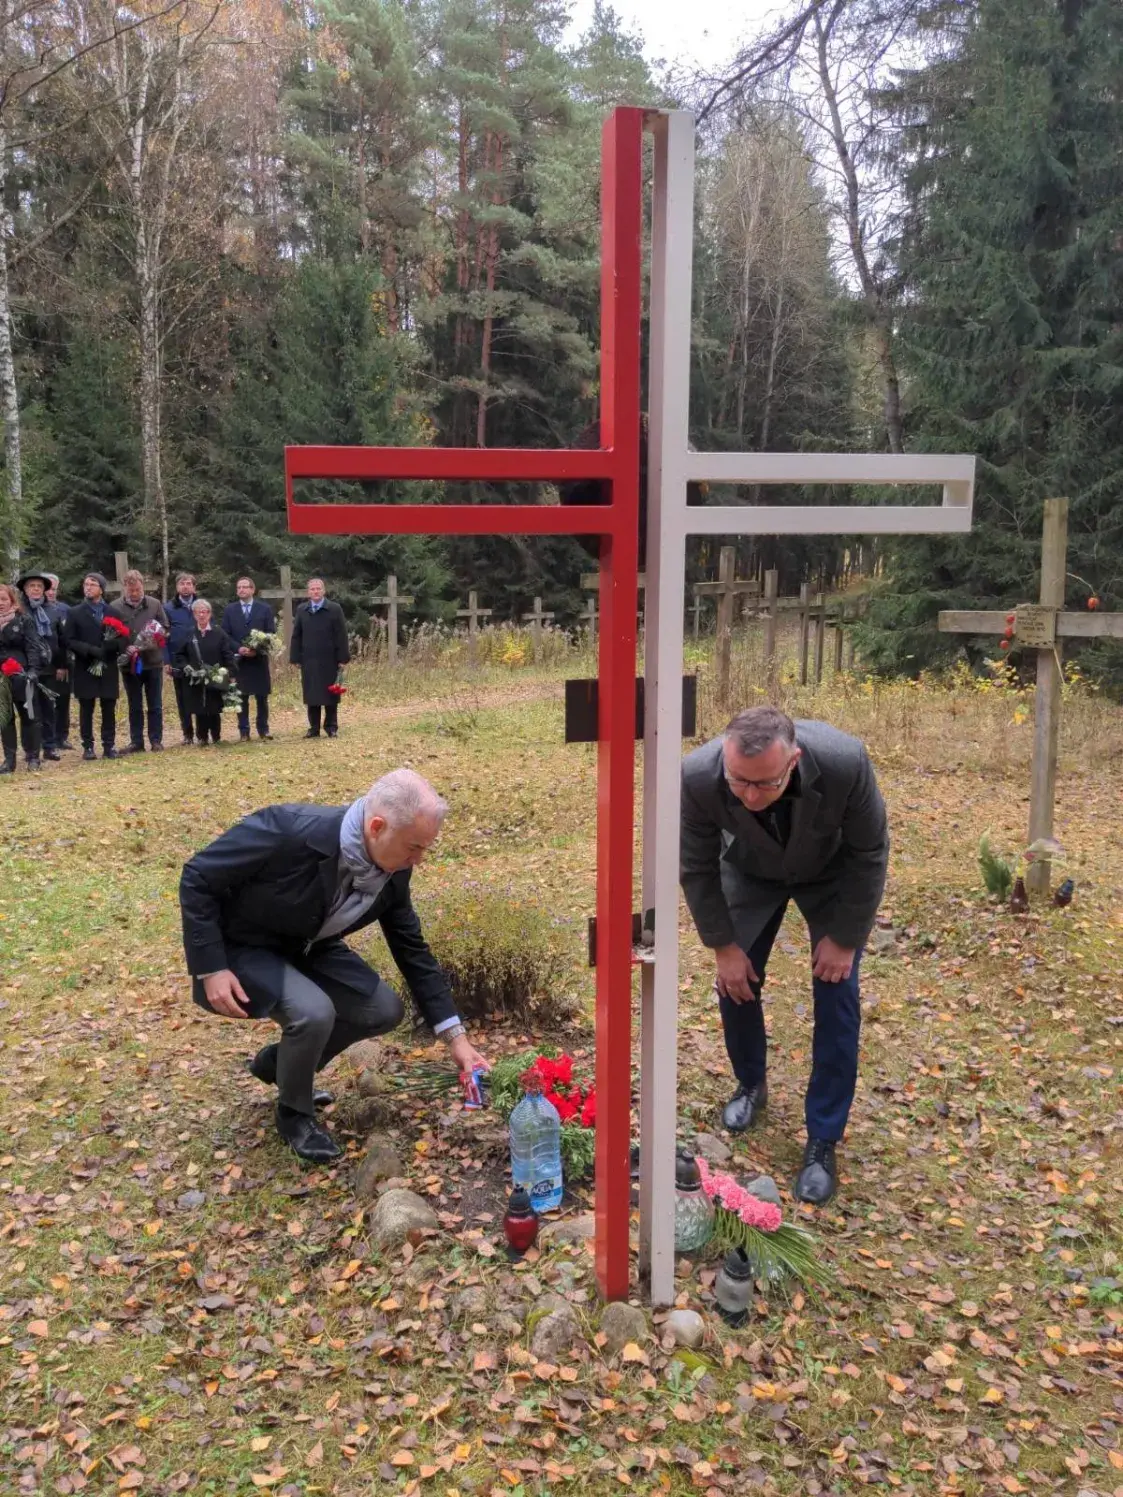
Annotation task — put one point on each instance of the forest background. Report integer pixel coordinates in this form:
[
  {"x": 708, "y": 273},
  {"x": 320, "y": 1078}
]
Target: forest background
[{"x": 228, "y": 225}]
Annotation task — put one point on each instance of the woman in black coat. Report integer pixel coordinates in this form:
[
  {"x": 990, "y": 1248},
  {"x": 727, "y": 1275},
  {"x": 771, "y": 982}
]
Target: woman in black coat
[
  {"x": 319, "y": 647},
  {"x": 206, "y": 646},
  {"x": 95, "y": 677},
  {"x": 25, "y": 654}
]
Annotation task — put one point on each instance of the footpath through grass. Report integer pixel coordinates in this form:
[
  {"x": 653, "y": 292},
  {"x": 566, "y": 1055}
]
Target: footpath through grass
[{"x": 184, "y": 1309}]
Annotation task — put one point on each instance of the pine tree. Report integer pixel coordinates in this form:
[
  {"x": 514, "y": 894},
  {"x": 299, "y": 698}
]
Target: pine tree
[{"x": 1013, "y": 336}]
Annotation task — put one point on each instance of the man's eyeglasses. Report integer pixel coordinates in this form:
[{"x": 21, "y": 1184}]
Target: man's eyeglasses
[{"x": 735, "y": 782}]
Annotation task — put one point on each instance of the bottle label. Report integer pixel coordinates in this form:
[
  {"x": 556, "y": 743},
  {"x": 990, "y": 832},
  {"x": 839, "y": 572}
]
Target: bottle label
[{"x": 542, "y": 1190}]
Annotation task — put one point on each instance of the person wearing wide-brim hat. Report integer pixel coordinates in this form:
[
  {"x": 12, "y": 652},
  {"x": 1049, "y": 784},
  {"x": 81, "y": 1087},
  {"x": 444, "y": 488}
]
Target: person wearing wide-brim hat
[
  {"x": 96, "y": 677},
  {"x": 48, "y": 620}
]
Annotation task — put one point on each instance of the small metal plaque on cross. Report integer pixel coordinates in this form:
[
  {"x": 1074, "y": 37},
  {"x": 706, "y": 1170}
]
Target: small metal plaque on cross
[{"x": 1035, "y": 626}]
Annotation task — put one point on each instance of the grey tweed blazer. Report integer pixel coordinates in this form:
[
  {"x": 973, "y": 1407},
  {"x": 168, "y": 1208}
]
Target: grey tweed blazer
[{"x": 735, "y": 875}]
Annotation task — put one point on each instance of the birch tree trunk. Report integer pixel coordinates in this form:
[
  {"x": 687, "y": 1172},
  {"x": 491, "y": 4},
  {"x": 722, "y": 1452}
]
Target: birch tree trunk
[{"x": 9, "y": 389}]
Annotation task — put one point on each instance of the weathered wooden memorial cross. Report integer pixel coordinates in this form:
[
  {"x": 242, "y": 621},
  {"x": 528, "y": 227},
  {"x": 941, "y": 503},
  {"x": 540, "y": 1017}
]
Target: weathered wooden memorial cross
[
  {"x": 589, "y": 614},
  {"x": 287, "y": 598},
  {"x": 393, "y": 600},
  {"x": 120, "y": 566},
  {"x": 536, "y": 619},
  {"x": 473, "y": 613},
  {"x": 1038, "y": 626},
  {"x": 725, "y": 589}
]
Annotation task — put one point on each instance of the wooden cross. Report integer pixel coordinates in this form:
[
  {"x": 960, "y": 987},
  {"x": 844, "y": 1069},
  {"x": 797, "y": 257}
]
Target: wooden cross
[
  {"x": 1039, "y": 626},
  {"x": 120, "y": 566},
  {"x": 393, "y": 601},
  {"x": 771, "y": 591},
  {"x": 696, "y": 610},
  {"x": 725, "y": 589},
  {"x": 590, "y": 581},
  {"x": 473, "y": 613},
  {"x": 537, "y": 619},
  {"x": 287, "y": 598},
  {"x": 590, "y": 617}
]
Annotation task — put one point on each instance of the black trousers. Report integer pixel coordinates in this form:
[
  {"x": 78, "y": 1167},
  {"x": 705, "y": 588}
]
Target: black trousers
[
  {"x": 208, "y": 723},
  {"x": 331, "y": 717},
  {"x": 108, "y": 721},
  {"x": 62, "y": 712},
  {"x": 186, "y": 724},
  {"x": 262, "y": 716},
  {"x": 324, "y": 1000},
  {"x": 145, "y": 691}
]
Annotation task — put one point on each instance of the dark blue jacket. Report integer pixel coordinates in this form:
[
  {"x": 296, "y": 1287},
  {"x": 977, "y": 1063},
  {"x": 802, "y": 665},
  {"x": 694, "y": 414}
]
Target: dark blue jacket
[
  {"x": 253, "y": 670},
  {"x": 268, "y": 884},
  {"x": 181, "y": 624}
]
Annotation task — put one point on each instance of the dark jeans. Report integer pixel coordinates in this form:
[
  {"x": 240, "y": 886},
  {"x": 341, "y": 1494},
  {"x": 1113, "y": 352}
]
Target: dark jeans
[
  {"x": 145, "y": 690},
  {"x": 29, "y": 734},
  {"x": 834, "y": 1046},
  {"x": 331, "y": 717},
  {"x": 186, "y": 726},
  {"x": 262, "y": 721},
  {"x": 54, "y": 715},
  {"x": 324, "y": 1001},
  {"x": 108, "y": 721},
  {"x": 208, "y": 722}
]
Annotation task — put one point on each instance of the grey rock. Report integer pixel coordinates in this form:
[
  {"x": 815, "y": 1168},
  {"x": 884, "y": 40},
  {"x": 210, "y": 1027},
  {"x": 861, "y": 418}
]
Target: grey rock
[
  {"x": 686, "y": 1327},
  {"x": 620, "y": 1324},
  {"x": 555, "y": 1304},
  {"x": 555, "y": 1335},
  {"x": 883, "y": 942},
  {"x": 371, "y": 1084},
  {"x": 470, "y": 1304},
  {"x": 712, "y": 1149},
  {"x": 398, "y": 1213},
  {"x": 570, "y": 1229},
  {"x": 765, "y": 1189},
  {"x": 380, "y": 1162},
  {"x": 508, "y": 1325},
  {"x": 190, "y": 1200}
]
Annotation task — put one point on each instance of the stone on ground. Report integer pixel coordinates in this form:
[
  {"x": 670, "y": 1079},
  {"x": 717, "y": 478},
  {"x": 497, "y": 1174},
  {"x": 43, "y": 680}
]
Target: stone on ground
[
  {"x": 554, "y": 1335},
  {"x": 712, "y": 1149},
  {"x": 620, "y": 1324},
  {"x": 570, "y": 1229},
  {"x": 380, "y": 1162},
  {"x": 686, "y": 1327},
  {"x": 398, "y": 1213},
  {"x": 470, "y": 1304},
  {"x": 765, "y": 1189}
]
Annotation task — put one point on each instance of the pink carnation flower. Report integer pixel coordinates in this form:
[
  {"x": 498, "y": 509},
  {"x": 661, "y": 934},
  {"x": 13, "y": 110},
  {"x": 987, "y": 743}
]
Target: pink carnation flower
[{"x": 724, "y": 1190}]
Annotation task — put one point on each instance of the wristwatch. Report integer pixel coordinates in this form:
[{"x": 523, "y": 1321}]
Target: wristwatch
[{"x": 453, "y": 1032}]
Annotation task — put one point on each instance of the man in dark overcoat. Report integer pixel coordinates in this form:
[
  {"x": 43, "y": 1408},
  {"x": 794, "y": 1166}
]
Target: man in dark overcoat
[
  {"x": 775, "y": 810},
  {"x": 143, "y": 662},
  {"x": 181, "y": 627},
  {"x": 266, "y": 909},
  {"x": 95, "y": 677},
  {"x": 254, "y": 679},
  {"x": 319, "y": 646}
]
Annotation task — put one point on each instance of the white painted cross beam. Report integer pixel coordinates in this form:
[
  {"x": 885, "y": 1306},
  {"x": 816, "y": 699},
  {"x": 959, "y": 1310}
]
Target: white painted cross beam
[
  {"x": 671, "y": 467},
  {"x": 1039, "y": 626},
  {"x": 473, "y": 613},
  {"x": 287, "y": 599},
  {"x": 393, "y": 600},
  {"x": 536, "y": 619}
]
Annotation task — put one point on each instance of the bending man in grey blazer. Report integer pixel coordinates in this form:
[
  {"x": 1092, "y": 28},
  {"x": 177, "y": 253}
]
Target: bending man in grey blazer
[{"x": 775, "y": 810}]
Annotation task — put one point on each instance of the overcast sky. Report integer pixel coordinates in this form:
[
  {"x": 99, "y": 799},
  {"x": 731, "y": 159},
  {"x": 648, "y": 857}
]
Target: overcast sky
[{"x": 685, "y": 32}]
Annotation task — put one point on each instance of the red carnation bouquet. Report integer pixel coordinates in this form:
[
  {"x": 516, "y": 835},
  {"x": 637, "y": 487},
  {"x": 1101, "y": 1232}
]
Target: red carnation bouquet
[
  {"x": 11, "y": 668},
  {"x": 573, "y": 1101},
  {"x": 337, "y": 688},
  {"x": 114, "y": 631}
]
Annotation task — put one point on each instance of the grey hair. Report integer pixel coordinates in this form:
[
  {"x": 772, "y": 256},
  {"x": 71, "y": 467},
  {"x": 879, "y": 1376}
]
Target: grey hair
[
  {"x": 757, "y": 728},
  {"x": 200, "y": 603},
  {"x": 401, "y": 796}
]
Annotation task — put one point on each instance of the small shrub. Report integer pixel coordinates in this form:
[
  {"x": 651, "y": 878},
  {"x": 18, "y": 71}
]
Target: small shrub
[{"x": 501, "y": 956}]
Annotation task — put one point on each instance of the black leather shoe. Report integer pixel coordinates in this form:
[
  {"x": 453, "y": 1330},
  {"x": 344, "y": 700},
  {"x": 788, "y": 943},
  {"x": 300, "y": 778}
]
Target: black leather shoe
[
  {"x": 51, "y": 753},
  {"x": 157, "y": 748},
  {"x": 110, "y": 753},
  {"x": 8, "y": 766},
  {"x": 744, "y": 1107},
  {"x": 305, "y": 1137},
  {"x": 88, "y": 753},
  {"x": 266, "y": 737},
  {"x": 243, "y": 738},
  {"x": 264, "y": 1068},
  {"x": 817, "y": 1181},
  {"x": 333, "y": 732},
  {"x": 312, "y": 733},
  {"x": 66, "y": 746},
  {"x": 34, "y": 763}
]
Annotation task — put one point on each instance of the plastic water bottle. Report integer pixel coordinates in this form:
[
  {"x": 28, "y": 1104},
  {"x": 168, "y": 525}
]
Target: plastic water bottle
[{"x": 536, "y": 1149}]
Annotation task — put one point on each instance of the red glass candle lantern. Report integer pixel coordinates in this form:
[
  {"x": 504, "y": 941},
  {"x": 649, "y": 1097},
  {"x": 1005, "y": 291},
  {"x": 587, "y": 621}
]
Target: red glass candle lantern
[{"x": 520, "y": 1225}]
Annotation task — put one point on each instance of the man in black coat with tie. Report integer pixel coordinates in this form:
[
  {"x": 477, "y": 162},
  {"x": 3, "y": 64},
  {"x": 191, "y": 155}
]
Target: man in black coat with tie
[
  {"x": 319, "y": 646},
  {"x": 254, "y": 679},
  {"x": 265, "y": 910}
]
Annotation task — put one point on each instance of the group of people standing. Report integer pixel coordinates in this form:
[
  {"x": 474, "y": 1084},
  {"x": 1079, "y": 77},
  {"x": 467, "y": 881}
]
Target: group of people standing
[{"x": 51, "y": 651}]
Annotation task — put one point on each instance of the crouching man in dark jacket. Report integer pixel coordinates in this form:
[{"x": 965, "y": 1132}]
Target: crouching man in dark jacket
[{"x": 265, "y": 910}]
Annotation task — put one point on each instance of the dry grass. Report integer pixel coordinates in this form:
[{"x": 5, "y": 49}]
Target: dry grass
[{"x": 153, "y": 1342}]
